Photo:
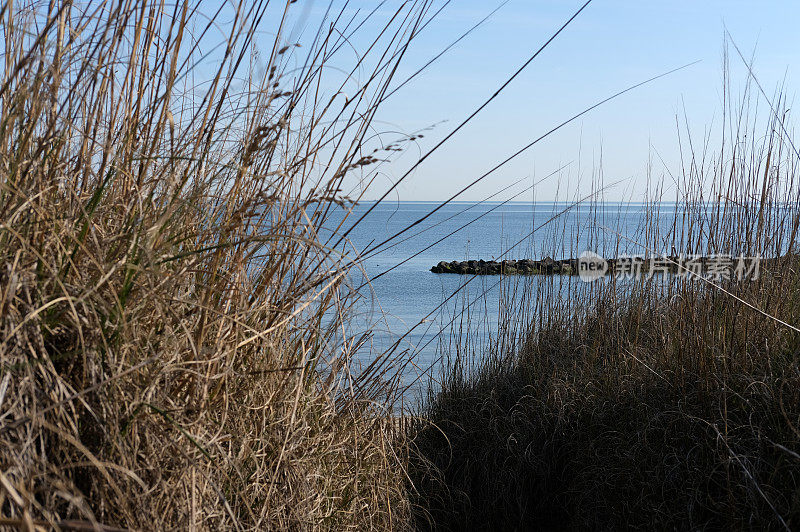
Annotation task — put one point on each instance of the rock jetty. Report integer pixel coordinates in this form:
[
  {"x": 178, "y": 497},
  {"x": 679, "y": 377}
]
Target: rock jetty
[
  {"x": 509, "y": 267},
  {"x": 702, "y": 265}
]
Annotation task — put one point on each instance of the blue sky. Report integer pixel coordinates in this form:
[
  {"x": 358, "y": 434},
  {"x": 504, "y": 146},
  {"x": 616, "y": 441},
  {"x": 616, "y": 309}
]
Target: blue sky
[{"x": 611, "y": 45}]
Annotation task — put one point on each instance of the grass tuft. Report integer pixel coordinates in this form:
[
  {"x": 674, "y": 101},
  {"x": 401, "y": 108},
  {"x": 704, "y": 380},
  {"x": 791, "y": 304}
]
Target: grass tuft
[{"x": 170, "y": 319}]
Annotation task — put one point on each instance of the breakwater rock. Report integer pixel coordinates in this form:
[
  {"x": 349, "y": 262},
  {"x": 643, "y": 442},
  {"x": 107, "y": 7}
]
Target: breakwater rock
[
  {"x": 715, "y": 266},
  {"x": 509, "y": 267}
]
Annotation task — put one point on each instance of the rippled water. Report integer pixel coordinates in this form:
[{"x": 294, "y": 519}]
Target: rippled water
[{"x": 405, "y": 298}]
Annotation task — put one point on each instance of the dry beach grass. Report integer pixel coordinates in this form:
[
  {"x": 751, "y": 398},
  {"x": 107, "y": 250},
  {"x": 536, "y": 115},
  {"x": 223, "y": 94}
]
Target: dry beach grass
[{"x": 165, "y": 361}]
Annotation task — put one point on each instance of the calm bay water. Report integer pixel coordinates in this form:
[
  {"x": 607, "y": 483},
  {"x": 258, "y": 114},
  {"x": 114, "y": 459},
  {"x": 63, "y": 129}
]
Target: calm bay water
[{"x": 405, "y": 300}]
